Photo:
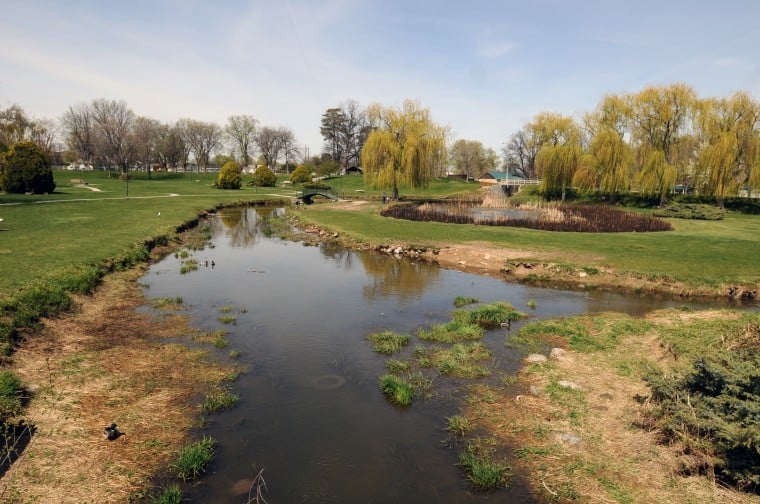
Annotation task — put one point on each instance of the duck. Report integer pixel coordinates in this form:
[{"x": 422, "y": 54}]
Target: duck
[{"x": 111, "y": 432}]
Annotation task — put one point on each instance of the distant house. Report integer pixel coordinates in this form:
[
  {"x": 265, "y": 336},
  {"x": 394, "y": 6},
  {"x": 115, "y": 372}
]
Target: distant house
[{"x": 500, "y": 177}]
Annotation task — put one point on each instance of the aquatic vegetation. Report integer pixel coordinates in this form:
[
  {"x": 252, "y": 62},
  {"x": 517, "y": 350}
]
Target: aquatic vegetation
[
  {"x": 388, "y": 342},
  {"x": 461, "y": 301},
  {"x": 219, "y": 400},
  {"x": 458, "y": 425},
  {"x": 396, "y": 366},
  {"x": 397, "y": 389},
  {"x": 193, "y": 459},
  {"x": 458, "y": 360},
  {"x": 483, "y": 471}
]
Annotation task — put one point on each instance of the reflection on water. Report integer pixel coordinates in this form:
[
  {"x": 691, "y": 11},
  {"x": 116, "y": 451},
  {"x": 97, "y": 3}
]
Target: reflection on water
[{"x": 311, "y": 412}]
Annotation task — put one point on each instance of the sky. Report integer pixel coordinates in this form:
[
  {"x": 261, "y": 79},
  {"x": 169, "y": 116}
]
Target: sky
[{"x": 483, "y": 68}]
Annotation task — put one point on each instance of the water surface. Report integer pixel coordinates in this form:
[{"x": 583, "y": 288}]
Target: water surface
[{"x": 311, "y": 411}]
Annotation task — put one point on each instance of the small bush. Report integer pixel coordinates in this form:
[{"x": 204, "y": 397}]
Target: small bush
[
  {"x": 264, "y": 177},
  {"x": 397, "y": 389},
  {"x": 301, "y": 175},
  {"x": 388, "y": 342},
  {"x": 230, "y": 176},
  {"x": 691, "y": 211},
  {"x": 26, "y": 168},
  {"x": 193, "y": 459}
]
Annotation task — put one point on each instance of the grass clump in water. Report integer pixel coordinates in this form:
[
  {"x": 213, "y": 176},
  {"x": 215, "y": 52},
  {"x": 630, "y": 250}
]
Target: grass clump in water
[
  {"x": 490, "y": 315},
  {"x": 455, "y": 330},
  {"x": 396, "y": 366},
  {"x": 482, "y": 470},
  {"x": 459, "y": 360},
  {"x": 397, "y": 389},
  {"x": 461, "y": 301},
  {"x": 227, "y": 319},
  {"x": 167, "y": 495},
  {"x": 219, "y": 400},
  {"x": 167, "y": 303},
  {"x": 193, "y": 459},
  {"x": 388, "y": 342},
  {"x": 458, "y": 425}
]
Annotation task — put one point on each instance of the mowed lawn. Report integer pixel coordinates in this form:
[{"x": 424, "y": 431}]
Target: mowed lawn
[
  {"x": 49, "y": 234},
  {"x": 45, "y": 235},
  {"x": 696, "y": 252}
]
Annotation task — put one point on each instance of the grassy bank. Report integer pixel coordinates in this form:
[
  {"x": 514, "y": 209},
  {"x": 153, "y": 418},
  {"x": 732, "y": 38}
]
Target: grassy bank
[
  {"x": 698, "y": 253},
  {"x": 585, "y": 427}
]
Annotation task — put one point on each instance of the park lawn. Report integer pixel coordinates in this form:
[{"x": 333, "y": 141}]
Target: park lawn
[
  {"x": 51, "y": 234},
  {"x": 352, "y": 186},
  {"x": 699, "y": 253}
]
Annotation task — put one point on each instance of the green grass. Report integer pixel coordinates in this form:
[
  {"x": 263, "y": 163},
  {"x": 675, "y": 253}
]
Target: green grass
[
  {"x": 227, "y": 319},
  {"x": 458, "y": 360},
  {"x": 451, "y": 332},
  {"x": 39, "y": 246},
  {"x": 171, "y": 494},
  {"x": 397, "y": 389},
  {"x": 461, "y": 301},
  {"x": 388, "y": 342},
  {"x": 483, "y": 470},
  {"x": 458, "y": 425},
  {"x": 10, "y": 395},
  {"x": 694, "y": 253},
  {"x": 396, "y": 366},
  {"x": 193, "y": 459},
  {"x": 490, "y": 315},
  {"x": 219, "y": 400}
]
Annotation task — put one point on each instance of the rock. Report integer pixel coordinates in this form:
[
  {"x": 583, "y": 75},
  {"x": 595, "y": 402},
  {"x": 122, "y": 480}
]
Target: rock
[
  {"x": 583, "y": 274},
  {"x": 569, "y": 438},
  {"x": 569, "y": 384},
  {"x": 535, "y": 358},
  {"x": 557, "y": 353},
  {"x": 535, "y": 390}
]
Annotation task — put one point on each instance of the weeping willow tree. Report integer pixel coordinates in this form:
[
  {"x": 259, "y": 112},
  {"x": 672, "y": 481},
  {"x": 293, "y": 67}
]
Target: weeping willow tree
[
  {"x": 560, "y": 154},
  {"x": 404, "y": 148},
  {"x": 657, "y": 176},
  {"x": 730, "y": 157},
  {"x": 607, "y": 166}
]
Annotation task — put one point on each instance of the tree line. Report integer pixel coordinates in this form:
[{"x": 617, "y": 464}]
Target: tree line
[
  {"x": 108, "y": 133},
  {"x": 651, "y": 141}
]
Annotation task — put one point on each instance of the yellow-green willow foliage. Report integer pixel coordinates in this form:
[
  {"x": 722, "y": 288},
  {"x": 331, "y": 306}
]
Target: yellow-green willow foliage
[
  {"x": 404, "y": 148},
  {"x": 560, "y": 155},
  {"x": 657, "y": 176},
  {"x": 607, "y": 166},
  {"x": 730, "y": 157}
]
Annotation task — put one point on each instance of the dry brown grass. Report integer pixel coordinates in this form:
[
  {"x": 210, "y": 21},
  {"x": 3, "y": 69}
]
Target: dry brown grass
[
  {"x": 616, "y": 460},
  {"x": 105, "y": 364}
]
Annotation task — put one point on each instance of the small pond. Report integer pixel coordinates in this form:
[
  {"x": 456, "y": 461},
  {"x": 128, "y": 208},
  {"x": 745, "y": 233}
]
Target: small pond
[{"x": 311, "y": 412}]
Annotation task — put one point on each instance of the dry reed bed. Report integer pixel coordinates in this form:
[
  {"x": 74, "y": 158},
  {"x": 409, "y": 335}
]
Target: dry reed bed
[{"x": 569, "y": 218}]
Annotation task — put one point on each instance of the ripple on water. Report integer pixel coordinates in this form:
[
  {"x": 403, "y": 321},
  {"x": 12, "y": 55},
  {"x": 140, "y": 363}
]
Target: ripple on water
[{"x": 328, "y": 382}]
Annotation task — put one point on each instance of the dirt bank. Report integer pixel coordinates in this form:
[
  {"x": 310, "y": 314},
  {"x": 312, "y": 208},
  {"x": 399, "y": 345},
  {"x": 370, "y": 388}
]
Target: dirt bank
[{"x": 106, "y": 363}]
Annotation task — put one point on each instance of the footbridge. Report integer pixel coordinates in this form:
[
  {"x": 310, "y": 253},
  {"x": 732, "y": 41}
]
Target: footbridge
[{"x": 308, "y": 194}]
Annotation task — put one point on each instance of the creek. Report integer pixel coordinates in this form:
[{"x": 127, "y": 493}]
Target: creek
[{"x": 311, "y": 413}]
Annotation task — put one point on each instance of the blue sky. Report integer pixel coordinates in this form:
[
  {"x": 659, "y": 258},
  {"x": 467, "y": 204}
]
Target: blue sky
[{"x": 483, "y": 68}]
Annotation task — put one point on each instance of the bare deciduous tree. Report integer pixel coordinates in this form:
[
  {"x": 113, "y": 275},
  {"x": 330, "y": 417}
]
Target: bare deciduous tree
[
  {"x": 113, "y": 120},
  {"x": 79, "y": 132},
  {"x": 241, "y": 129},
  {"x": 273, "y": 142},
  {"x": 202, "y": 138}
]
